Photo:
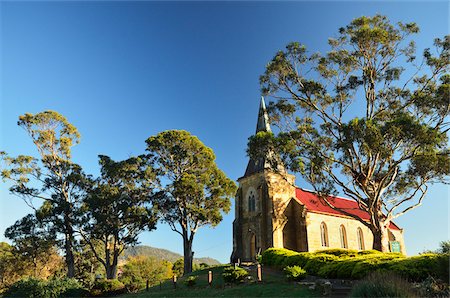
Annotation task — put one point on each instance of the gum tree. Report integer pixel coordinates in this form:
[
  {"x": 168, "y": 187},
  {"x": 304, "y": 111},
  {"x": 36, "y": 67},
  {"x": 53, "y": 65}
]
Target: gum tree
[
  {"x": 52, "y": 177},
  {"x": 117, "y": 208},
  {"x": 196, "y": 191},
  {"x": 368, "y": 118}
]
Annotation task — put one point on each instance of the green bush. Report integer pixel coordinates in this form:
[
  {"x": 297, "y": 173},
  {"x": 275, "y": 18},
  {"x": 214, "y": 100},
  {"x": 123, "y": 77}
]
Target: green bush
[
  {"x": 137, "y": 270},
  {"x": 418, "y": 268},
  {"x": 190, "y": 281},
  {"x": 383, "y": 284},
  {"x": 316, "y": 261},
  {"x": 338, "y": 252},
  {"x": 234, "y": 275},
  {"x": 294, "y": 273},
  {"x": 107, "y": 287},
  {"x": 55, "y": 287}
]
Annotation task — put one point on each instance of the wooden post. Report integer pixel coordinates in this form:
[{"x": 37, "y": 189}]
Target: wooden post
[
  {"x": 210, "y": 277},
  {"x": 174, "y": 281},
  {"x": 160, "y": 285},
  {"x": 259, "y": 273},
  {"x": 146, "y": 287}
]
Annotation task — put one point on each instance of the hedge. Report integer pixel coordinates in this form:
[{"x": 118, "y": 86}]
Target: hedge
[{"x": 341, "y": 263}]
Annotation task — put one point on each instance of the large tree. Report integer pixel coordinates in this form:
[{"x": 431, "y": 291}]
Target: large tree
[
  {"x": 368, "y": 118},
  {"x": 117, "y": 208},
  {"x": 195, "y": 192},
  {"x": 52, "y": 177}
]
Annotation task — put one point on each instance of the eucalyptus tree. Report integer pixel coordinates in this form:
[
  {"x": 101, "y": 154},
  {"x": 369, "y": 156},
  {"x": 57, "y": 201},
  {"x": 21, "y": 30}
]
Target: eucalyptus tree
[
  {"x": 195, "y": 192},
  {"x": 51, "y": 177},
  {"x": 117, "y": 208},
  {"x": 368, "y": 118}
]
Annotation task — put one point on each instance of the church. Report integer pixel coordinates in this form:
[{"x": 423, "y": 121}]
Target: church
[{"x": 270, "y": 211}]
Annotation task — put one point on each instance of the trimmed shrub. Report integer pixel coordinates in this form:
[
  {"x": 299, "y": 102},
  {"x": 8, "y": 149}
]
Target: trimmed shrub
[
  {"x": 190, "y": 281},
  {"x": 55, "y": 287},
  {"x": 298, "y": 259},
  {"x": 316, "y": 261},
  {"x": 107, "y": 287},
  {"x": 294, "y": 273},
  {"x": 338, "y": 252},
  {"x": 234, "y": 275},
  {"x": 418, "y": 268},
  {"x": 383, "y": 284}
]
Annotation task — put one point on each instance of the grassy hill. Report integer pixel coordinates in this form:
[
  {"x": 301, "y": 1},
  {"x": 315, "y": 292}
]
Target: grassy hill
[{"x": 164, "y": 254}]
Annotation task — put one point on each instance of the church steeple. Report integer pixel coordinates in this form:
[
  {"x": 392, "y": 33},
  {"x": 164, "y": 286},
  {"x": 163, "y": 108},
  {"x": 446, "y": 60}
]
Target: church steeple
[
  {"x": 263, "y": 118},
  {"x": 258, "y": 165}
]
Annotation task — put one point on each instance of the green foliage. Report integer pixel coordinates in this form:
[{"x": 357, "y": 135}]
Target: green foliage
[
  {"x": 338, "y": 264},
  {"x": 234, "y": 275},
  {"x": 56, "y": 287},
  {"x": 197, "y": 192},
  {"x": 294, "y": 272},
  {"x": 107, "y": 287},
  {"x": 52, "y": 177},
  {"x": 178, "y": 267},
  {"x": 382, "y": 284},
  {"x": 140, "y": 269},
  {"x": 395, "y": 146},
  {"x": 190, "y": 281},
  {"x": 418, "y": 268},
  {"x": 117, "y": 208}
]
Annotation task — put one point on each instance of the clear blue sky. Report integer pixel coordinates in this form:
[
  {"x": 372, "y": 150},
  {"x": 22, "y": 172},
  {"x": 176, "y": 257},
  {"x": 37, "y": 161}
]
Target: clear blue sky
[{"x": 121, "y": 72}]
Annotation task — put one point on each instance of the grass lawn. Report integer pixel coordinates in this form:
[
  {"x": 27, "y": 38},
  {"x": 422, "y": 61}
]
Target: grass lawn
[{"x": 273, "y": 285}]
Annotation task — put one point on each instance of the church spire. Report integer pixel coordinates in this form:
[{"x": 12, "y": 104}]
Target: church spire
[
  {"x": 263, "y": 125},
  {"x": 263, "y": 118}
]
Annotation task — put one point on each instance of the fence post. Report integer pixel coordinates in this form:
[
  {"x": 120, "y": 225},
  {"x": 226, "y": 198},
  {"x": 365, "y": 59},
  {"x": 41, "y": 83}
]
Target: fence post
[
  {"x": 210, "y": 277},
  {"x": 174, "y": 281},
  {"x": 146, "y": 286},
  {"x": 160, "y": 285},
  {"x": 259, "y": 273}
]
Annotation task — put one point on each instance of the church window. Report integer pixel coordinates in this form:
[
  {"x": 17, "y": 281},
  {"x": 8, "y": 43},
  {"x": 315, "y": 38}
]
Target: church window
[
  {"x": 343, "y": 235},
  {"x": 324, "y": 234},
  {"x": 251, "y": 202},
  {"x": 360, "y": 239}
]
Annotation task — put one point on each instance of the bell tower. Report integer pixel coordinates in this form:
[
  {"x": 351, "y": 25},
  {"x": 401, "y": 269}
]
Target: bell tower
[{"x": 261, "y": 200}]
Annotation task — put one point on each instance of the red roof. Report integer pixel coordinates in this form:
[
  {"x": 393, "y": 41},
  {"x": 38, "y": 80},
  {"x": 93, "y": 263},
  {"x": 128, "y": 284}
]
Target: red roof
[{"x": 313, "y": 204}]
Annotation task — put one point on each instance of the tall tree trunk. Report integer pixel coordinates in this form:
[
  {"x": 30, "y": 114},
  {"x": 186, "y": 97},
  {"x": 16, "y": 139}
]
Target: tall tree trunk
[
  {"x": 380, "y": 238},
  {"x": 68, "y": 245},
  {"x": 188, "y": 255}
]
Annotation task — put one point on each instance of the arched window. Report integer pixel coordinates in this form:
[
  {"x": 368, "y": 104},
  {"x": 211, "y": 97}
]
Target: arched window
[
  {"x": 251, "y": 202},
  {"x": 360, "y": 239},
  {"x": 324, "y": 234},
  {"x": 343, "y": 235}
]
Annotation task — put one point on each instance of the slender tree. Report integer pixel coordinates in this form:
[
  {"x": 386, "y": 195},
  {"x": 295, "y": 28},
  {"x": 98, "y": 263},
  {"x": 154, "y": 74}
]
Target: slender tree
[
  {"x": 367, "y": 118},
  {"x": 117, "y": 209},
  {"x": 196, "y": 192},
  {"x": 52, "y": 177}
]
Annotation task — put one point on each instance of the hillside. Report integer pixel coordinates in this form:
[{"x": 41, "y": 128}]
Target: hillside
[{"x": 164, "y": 254}]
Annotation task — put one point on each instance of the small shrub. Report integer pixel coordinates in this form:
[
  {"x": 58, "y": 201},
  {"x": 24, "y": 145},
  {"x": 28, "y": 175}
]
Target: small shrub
[
  {"x": 107, "y": 287},
  {"x": 234, "y": 275},
  {"x": 294, "y": 273},
  {"x": 383, "y": 284},
  {"x": 55, "y": 287},
  {"x": 190, "y": 281},
  {"x": 431, "y": 287}
]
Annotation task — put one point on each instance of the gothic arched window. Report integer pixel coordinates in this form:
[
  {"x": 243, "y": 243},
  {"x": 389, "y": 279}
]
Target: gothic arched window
[
  {"x": 360, "y": 239},
  {"x": 343, "y": 235},
  {"x": 324, "y": 234},
  {"x": 251, "y": 202}
]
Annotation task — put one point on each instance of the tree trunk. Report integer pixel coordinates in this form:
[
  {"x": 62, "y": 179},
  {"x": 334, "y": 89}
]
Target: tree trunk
[
  {"x": 111, "y": 271},
  {"x": 68, "y": 246},
  {"x": 380, "y": 238},
  {"x": 188, "y": 255}
]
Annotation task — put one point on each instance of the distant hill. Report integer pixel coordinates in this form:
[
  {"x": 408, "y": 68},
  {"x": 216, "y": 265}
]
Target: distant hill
[{"x": 164, "y": 254}]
